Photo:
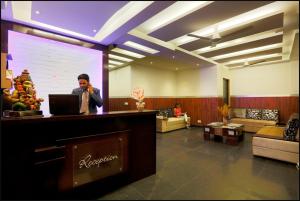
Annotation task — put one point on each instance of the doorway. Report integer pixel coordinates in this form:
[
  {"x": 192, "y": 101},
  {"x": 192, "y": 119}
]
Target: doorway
[{"x": 226, "y": 91}]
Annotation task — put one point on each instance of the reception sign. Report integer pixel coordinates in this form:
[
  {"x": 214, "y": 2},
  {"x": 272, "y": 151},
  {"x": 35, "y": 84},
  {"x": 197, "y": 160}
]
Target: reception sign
[{"x": 99, "y": 158}]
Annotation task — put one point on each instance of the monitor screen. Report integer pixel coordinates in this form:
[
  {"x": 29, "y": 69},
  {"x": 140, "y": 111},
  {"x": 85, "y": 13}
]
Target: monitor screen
[{"x": 64, "y": 104}]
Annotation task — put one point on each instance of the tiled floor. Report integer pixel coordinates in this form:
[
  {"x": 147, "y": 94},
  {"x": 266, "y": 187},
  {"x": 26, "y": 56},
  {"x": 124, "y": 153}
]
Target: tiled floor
[{"x": 190, "y": 168}]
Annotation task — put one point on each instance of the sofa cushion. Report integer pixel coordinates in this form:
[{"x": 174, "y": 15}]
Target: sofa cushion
[
  {"x": 268, "y": 114},
  {"x": 168, "y": 112},
  {"x": 274, "y": 132},
  {"x": 237, "y": 113},
  {"x": 253, "y": 113},
  {"x": 252, "y": 125},
  {"x": 292, "y": 127},
  {"x": 253, "y": 122}
]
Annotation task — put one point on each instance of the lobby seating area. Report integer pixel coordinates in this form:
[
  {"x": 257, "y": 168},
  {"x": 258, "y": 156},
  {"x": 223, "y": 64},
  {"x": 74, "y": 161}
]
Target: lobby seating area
[
  {"x": 254, "y": 119},
  {"x": 165, "y": 121},
  {"x": 166, "y": 124}
]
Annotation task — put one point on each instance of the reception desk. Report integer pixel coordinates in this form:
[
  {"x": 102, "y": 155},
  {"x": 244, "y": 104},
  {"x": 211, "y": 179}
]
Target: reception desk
[{"x": 76, "y": 156}]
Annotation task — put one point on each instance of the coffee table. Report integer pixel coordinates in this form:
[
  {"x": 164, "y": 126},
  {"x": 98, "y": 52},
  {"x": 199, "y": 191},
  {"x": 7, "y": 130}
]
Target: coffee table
[{"x": 230, "y": 134}]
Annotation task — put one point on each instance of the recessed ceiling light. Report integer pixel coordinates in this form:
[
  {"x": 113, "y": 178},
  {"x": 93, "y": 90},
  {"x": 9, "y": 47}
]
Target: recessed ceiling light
[
  {"x": 115, "y": 62},
  {"x": 140, "y": 47},
  {"x": 37, "y": 12},
  {"x": 112, "y": 56},
  {"x": 170, "y": 14},
  {"x": 94, "y": 30},
  {"x": 126, "y": 52},
  {"x": 51, "y": 35}
]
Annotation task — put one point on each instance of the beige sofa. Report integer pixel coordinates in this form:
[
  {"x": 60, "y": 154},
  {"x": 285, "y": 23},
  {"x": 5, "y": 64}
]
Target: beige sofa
[
  {"x": 165, "y": 124},
  {"x": 270, "y": 142},
  {"x": 240, "y": 116}
]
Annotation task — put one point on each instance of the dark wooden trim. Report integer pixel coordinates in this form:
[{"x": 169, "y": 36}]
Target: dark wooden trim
[{"x": 13, "y": 26}]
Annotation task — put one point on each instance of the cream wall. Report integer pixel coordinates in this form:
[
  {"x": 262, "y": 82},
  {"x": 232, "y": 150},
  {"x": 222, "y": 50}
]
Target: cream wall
[
  {"x": 277, "y": 79},
  {"x": 120, "y": 82},
  {"x": 163, "y": 83},
  {"x": 188, "y": 83},
  {"x": 295, "y": 77},
  {"x": 208, "y": 81},
  {"x": 154, "y": 81}
]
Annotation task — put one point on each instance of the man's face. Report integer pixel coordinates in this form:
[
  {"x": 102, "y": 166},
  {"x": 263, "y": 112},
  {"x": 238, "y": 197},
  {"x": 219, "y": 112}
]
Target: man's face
[{"x": 83, "y": 83}]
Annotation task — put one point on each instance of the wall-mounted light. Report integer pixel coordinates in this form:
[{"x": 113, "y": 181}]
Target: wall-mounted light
[{"x": 53, "y": 36}]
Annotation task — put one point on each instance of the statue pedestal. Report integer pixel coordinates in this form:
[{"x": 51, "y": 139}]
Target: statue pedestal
[{"x": 11, "y": 113}]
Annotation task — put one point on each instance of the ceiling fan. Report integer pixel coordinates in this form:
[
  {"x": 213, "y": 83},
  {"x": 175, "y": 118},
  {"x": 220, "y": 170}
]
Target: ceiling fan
[{"x": 217, "y": 38}]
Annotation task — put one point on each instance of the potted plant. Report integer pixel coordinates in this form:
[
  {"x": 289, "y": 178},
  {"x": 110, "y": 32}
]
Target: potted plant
[
  {"x": 138, "y": 94},
  {"x": 224, "y": 110}
]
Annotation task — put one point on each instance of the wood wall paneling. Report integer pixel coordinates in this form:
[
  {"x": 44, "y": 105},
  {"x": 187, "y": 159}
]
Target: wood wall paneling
[
  {"x": 205, "y": 109},
  {"x": 285, "y": 104}
]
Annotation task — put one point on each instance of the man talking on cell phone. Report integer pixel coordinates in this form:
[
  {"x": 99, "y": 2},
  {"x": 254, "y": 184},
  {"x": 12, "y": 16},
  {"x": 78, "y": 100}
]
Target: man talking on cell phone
[{"x": 89, "y": 97}]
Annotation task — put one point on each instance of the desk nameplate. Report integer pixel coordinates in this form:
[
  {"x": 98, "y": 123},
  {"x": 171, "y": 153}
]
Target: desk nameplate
[{"x": 95, "y": 158}]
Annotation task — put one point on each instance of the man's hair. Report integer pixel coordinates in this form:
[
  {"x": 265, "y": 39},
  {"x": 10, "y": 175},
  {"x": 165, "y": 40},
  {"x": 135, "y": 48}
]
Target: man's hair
[{"x": 84, "y": 76}]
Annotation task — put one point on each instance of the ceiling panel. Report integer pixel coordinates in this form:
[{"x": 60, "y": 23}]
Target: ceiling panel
[
  {"x": 151, "y": 10},
  {"x": 254, "y": 44},
  {"x": 79, "y": 16},
  {"x": 211, "y": 14},
  {"x": 84, "y": 16},
  {"x": 257, "y": 62},
  {"x": 275, "y": 21},
  {"x": 277, "y": 50}
]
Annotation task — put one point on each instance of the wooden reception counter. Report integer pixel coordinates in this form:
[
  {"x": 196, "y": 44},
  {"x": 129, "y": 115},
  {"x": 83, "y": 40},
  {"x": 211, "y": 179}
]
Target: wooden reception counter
[{"x": 76, "y": 157}]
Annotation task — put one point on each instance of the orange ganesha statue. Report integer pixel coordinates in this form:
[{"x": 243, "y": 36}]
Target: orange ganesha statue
[{"x": 23, "y": 96}]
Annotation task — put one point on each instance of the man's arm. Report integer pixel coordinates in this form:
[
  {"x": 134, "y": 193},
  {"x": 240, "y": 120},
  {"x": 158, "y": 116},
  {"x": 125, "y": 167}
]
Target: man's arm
[{"x": 97, "y": 98}]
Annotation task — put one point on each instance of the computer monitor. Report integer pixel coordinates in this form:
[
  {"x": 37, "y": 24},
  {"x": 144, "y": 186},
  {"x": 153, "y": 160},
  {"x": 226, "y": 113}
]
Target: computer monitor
[{"x": 64, "y": 104}]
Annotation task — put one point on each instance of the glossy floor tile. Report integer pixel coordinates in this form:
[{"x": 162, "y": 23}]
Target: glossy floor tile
[{"x": 189, "y": 168}]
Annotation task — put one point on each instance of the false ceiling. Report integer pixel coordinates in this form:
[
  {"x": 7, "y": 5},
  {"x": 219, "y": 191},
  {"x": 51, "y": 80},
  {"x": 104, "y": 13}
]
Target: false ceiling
[{"x": 174, "y": 35}]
